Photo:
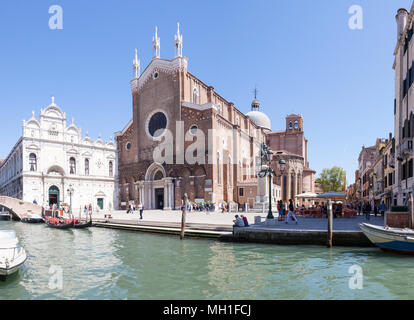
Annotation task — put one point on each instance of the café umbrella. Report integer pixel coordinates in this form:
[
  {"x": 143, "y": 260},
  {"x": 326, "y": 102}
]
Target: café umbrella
[{"x": 333, "y": 195}]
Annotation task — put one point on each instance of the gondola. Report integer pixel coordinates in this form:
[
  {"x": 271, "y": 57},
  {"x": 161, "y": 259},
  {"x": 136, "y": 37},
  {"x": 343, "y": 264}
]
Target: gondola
[
  {"x": 58, "y": 224},
  {"x": 82, "y": 225}
]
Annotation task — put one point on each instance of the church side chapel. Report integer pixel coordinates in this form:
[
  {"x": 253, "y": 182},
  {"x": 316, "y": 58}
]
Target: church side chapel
[{"x": 167, "y": 98}]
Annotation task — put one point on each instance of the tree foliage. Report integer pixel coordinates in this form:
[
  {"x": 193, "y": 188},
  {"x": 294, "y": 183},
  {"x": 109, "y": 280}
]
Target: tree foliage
[{"x": 332, "y": 179}]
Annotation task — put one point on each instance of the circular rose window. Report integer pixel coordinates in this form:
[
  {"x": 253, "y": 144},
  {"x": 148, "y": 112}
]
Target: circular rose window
[{"x": 157, "y": 124}]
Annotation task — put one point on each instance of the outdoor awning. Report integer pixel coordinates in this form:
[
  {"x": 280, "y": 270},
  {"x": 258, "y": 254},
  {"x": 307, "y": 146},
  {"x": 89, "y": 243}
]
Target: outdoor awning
[
  {"x": 332, "y": 195},
  {"x": 307, "y": 195}
]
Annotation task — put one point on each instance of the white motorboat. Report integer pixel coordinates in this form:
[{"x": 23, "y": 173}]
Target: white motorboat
[{"x": 12, "y": 254}]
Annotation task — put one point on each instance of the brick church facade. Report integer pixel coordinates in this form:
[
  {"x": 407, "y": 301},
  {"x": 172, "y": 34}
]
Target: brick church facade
[{"x": 173, "y": 107}]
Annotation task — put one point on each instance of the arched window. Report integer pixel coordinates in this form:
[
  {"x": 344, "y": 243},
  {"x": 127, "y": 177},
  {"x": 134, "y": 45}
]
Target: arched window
[
  {"x": 195, "y": 96},
  {"x": 296, "y": 124},
  {"x": 218, "y": 167},
  {"x": 72, "y": 166},
  {"x": 290, "y": 125},
  {"x": 86, "y": 167},
  {"x": 111, "y": 169},
  {"x": 230, "y": 172},
  {"x": 33, "y": 162}
]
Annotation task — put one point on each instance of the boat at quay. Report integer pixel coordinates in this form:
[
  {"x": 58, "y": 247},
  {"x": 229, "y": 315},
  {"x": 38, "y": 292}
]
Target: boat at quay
[
  {"x": 399, "y": 240},
  {"x": 12, "y": 254}
]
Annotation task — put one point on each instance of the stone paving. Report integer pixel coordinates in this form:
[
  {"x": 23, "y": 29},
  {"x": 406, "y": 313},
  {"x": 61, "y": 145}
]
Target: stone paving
[{"x": 218, "y": 218}]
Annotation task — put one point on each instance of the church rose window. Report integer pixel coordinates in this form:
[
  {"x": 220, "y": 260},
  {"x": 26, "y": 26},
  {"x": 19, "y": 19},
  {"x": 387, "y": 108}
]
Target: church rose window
[{"x": 157, "y": 123}]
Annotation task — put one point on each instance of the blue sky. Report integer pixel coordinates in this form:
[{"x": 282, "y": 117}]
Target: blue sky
[{"x": 301, "y": 54}]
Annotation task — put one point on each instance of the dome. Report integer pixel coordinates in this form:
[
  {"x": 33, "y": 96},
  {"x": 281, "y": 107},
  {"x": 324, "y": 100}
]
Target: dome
[{"x": 259, "y": 118}]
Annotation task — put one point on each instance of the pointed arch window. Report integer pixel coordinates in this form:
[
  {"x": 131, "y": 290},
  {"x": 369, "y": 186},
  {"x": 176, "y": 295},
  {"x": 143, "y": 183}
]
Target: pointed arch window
[
  {"x": 86, "y": 167},
  {"x": 195, "y": 96},
  {"x": 72, "y": 165},
  {"x": 111, "y": 169},
  {"x": 33, "y": 162},
  {"x": 218, "y": 168}
]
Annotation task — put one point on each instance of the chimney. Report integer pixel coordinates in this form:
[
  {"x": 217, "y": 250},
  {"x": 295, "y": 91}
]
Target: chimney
[{"x": 401, "y": 17}]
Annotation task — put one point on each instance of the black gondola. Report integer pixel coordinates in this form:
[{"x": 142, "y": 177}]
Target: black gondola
[
  {"x": 82, "y": 225},
  {"x": 62, "y": 225}
]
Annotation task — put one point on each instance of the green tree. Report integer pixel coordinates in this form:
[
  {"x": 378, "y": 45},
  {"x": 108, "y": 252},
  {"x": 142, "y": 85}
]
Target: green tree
[{"x": 332, "y": 179}]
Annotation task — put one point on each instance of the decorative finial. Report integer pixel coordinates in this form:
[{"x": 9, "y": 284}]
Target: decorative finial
[
  {"x": 53, "y": 100},
  {"x": 73, "y": 120},
  {"x": 156, "y": 44},
  {"x": 136, "y": 65},
  {"x": 33, "y": 113},
  {"x": 178, "y": 42},
  {"x": 255, "y": 103}
]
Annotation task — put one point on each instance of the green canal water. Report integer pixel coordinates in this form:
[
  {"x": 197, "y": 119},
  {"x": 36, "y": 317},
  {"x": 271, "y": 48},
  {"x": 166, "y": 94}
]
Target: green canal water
[{"x": 111, "y": 264}]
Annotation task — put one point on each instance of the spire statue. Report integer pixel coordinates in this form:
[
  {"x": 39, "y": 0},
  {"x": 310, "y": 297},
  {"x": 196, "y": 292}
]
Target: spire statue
[
  {"x": 178, "y": 42},
  {"x": 136, "y": 65},
  {"x": 156, "y": 44}
]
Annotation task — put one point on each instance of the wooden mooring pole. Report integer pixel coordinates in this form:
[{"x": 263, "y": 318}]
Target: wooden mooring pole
[
  {"x": 411, "y": 211},
  {"x": 184, "y": 212},
  {"x": 330, "y": 222}
]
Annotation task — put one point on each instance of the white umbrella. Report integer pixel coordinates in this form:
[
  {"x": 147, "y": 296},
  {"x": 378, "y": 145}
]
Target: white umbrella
[
  {"x": 332, "y": 195},
  {"x": 307, "y": 195}
]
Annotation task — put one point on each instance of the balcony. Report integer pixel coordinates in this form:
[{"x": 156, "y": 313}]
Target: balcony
[
  {"x": 392, "y": 160},
  {"x": 405, "y": 149}
]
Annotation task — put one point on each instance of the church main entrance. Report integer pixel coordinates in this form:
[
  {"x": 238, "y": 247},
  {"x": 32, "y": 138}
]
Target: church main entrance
[
  {"x": 54, "y": 196},
  {"x": 159, "y": 198}
]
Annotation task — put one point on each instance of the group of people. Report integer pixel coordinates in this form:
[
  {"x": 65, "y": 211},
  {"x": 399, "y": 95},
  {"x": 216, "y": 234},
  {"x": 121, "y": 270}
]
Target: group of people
[
  {"x": 240, "y": 221},
  {"x": 286, "y": 212},
  {"x": 132, "y": 208},
  {"x": 366, "y": 208}
]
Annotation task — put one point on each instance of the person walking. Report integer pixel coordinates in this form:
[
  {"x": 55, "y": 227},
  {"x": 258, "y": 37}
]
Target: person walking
[
  {"x": 141, "y": 209},
  {"x": 291, "y": 212},
  {"x": 382, "y": 208}
]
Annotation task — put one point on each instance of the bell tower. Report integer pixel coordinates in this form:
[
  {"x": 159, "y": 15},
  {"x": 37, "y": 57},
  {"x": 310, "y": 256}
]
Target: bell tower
[{"x": 294, "y": 123}]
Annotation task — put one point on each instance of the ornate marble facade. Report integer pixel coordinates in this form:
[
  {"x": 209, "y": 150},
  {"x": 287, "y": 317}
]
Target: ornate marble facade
[{"x": 50, "y": 156}]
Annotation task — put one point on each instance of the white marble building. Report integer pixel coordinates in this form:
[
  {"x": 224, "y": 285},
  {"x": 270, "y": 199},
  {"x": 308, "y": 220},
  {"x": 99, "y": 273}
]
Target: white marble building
[{"x": 50, "y": 156}]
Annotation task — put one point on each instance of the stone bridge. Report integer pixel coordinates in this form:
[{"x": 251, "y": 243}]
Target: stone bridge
[{"x": 17, "y": 207}]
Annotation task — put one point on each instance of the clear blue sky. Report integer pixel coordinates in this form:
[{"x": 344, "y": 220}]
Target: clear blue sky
[{"x": 301, "y": 54}]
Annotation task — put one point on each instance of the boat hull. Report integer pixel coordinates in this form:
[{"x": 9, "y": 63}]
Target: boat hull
[
  {"x": 4, "y": 272},
  {"x": 390, "y": 239},
  {"x": 83, "y": 225},
  {"x": 32, "y": 220},
  {"x": 60, "y": 226}
]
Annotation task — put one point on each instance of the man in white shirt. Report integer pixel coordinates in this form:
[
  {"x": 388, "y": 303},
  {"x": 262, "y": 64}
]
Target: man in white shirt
[{"x": 238, "y": 222}]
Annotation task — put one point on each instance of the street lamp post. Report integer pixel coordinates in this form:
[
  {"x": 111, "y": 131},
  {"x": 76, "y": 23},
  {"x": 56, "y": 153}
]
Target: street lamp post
[
  {"x": 267, "y": 156},
  {"x": 70, "y": 191}
]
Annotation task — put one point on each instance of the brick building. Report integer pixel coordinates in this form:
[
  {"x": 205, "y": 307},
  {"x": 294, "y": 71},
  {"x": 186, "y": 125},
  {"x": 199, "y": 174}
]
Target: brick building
[{"x": 184, "y": 137}]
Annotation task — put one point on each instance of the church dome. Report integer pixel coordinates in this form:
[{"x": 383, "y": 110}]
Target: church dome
[{"x": 260, "y": 119}]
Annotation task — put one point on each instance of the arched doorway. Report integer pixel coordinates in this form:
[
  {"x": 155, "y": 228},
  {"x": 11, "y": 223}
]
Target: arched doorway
[
  {"x": 54, "y": 196},
  {"x": 157, "y": 190}
]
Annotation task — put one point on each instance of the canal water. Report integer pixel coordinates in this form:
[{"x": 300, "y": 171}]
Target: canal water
[{"x": 112, "y": 264}]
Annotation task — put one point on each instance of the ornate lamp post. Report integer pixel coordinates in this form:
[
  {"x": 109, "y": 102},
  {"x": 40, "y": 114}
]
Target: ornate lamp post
[
  {"x": 267, "y": 156},
  {"x": 70, "y": 191}
]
